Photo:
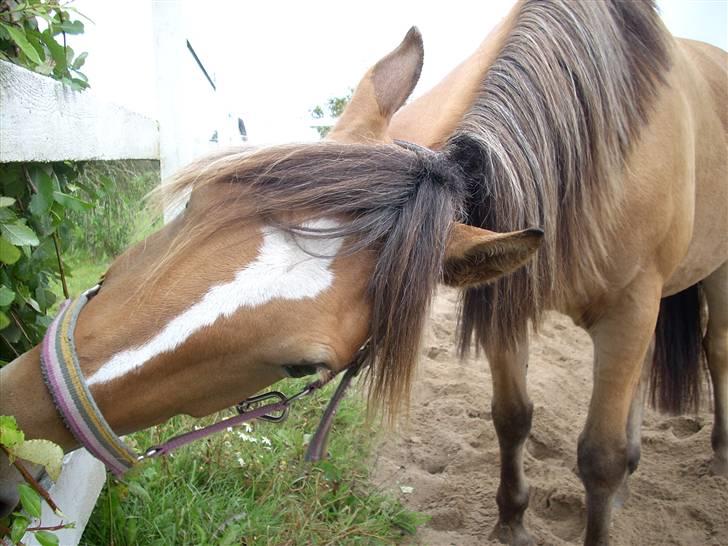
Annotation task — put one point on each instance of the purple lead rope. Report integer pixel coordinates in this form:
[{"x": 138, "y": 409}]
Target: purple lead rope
[{"x": 318, "y": 442}]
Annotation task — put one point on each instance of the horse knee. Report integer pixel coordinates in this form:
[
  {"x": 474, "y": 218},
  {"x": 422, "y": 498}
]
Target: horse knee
[{"x": 603, "y": 466}]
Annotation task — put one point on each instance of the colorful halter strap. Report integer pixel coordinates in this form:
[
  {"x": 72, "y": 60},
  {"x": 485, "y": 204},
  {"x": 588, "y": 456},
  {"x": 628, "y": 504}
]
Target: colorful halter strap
[
  {"x": 73, "y": 399},
  {"x": 65, "y": 381}
]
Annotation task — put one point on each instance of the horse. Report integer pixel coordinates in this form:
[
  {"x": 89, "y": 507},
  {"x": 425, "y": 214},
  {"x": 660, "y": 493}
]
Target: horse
[
  {"x": 590, "y": 120},
  {"x": 287, "y": 259},
  {"x": 284, "y": 262}
]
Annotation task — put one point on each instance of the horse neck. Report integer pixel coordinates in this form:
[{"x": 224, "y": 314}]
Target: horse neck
[
  {"x": 431, "y": 118},
  {"x": 23, "y": 394}
]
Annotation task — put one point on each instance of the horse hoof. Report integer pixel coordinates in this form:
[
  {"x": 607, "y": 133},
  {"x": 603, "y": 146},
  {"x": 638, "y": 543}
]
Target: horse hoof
[
  {"x": 513, "y": 535},
  {"x": 719, "y": 467}
]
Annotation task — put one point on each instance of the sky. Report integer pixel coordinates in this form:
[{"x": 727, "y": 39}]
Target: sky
[{"x": 273, "y": 61}]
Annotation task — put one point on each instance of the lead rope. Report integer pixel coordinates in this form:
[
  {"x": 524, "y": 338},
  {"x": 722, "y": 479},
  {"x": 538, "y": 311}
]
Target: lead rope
[{"x": 318, "y": 441}]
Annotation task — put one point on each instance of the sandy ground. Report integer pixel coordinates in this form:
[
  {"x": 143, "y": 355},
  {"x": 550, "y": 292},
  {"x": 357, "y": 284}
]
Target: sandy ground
[{"x": 447, "y": 452}]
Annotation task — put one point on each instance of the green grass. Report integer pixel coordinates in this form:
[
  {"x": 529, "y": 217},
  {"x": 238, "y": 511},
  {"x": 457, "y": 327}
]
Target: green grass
[{"x": 251, "y": 486}]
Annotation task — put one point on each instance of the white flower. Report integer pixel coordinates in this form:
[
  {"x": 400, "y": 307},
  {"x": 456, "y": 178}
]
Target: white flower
[
  {"x": 247, "y": 427},
  {"x": 241, "y": 462},
  {"x": 265, "y": 441},
  {"x": 247, "y": 438}
]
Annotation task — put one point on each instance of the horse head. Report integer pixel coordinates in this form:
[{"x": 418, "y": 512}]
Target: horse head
[{"x": 284, "y": 262}]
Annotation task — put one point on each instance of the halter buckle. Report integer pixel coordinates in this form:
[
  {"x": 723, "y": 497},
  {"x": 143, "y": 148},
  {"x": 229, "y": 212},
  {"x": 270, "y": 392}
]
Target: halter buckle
[
  {"x": 272, "y": 396},
  {"x": 150, "y": 453}
]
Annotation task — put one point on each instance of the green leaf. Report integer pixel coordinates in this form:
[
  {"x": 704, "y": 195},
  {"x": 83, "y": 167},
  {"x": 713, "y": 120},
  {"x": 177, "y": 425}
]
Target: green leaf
[
  {"x": 22, "y": 42},
  {"x": 6, "y": 201},
  {"x": 43, "y": 452},
  {"x": 19, "y": 234},
  {"x": 80, "y": 60},
  {"x": 4, "y": 321},
  {"x": 46, "y": 539},
  {"x": 12, "y": 334},
  {"x": 30, "y": 499},
  {"x": 34, "y": 304},
  {"x": 57, "y": 52},
  {"x": 7, "y": 216},
  {"x": 10, "y": 434},
  {"x": 6, "y": 296},
  {"x": 8, "y": 253},
  {"x": 70, "y": 27},
  {"x": 72, "y": 202},
  {"x": 41, "y": 201},
  {"x": 20, "y": 524}
]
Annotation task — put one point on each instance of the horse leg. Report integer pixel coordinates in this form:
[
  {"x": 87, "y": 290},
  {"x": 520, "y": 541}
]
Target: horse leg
[
  {"x": 634, "y": 436},
  {"x": 715, "y": 287},
  {"x": 621, "y": 338},
  {"x": 512, "y": 412}
]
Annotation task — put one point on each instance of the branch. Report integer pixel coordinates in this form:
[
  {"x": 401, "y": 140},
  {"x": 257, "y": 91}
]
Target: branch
[
  {"x": 47, "y": 528},
  {"x": 31, "y": 480},
  {"x": 62, "y": 271}
]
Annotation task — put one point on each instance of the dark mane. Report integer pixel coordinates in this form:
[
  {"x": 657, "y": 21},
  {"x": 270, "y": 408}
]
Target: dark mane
[
  {"x": 545, "y": 141},
  {"x": 399, "y": 202}
]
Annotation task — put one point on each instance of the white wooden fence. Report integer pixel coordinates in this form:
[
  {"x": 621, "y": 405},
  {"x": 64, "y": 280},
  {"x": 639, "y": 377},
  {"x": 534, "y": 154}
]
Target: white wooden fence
[{"x": 43, "y": 120}]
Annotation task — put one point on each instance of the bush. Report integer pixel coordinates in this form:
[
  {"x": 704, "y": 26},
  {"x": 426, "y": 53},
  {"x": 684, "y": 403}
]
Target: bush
[{"x": 117, "y": 190}]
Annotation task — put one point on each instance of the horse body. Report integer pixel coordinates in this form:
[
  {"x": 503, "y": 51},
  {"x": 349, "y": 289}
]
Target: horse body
[
  {"x": 669, "y": 232},
  {"x": 618, "y": 150}
]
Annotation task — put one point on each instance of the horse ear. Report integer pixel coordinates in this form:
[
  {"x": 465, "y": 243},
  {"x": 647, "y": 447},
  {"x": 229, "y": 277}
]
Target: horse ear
[
  {"x": 381, "y": 92},
  {"x": 477, "y": 256}
]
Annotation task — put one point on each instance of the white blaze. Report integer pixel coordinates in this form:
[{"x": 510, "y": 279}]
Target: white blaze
[{"x": 286, "y": 268}]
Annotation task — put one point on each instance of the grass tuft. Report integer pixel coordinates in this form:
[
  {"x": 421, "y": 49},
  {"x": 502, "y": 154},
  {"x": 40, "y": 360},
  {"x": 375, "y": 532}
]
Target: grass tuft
[{"x": 251, "y": 486}]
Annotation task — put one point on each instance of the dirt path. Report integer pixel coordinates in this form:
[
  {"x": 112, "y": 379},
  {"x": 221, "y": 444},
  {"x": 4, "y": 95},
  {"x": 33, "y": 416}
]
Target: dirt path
[{"x": 447, "y": 452}]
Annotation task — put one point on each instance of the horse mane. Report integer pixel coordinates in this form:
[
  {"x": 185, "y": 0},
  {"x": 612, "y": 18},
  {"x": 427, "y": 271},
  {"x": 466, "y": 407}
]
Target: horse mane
[
  {"x": 544, "y": 144},
  {"x": 398, "y": 201}
]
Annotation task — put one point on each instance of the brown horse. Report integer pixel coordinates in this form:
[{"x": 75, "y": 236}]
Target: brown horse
[
  {"x": 586, "y": 118},
  {"x": 589, "y": 119},
  {"x": 284, "y": 262}
]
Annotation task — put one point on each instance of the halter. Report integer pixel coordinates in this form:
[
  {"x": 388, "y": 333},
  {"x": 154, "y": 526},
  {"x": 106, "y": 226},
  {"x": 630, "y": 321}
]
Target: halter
[{"x": 73, "y": 400}]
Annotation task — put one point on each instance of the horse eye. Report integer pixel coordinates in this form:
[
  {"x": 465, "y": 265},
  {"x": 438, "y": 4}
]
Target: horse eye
[{"x": 300, "y": 370}]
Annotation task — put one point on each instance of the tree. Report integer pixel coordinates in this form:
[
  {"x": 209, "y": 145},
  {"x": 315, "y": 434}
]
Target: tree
[{"x": 333, "y": 109}]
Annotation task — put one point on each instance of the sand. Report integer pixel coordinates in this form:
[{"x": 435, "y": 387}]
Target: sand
[{"x": 447, "y": 451}]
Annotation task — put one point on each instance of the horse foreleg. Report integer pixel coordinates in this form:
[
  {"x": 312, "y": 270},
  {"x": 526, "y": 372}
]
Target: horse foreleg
[
  {"x": 634, "y": 436},
  {"x": 716, "y": 345},
  {"x": 621, "y": 338},
  {"x": 512, "y": 412}
]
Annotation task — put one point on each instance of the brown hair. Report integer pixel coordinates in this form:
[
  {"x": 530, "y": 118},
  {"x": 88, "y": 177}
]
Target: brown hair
[
  {"x": 399, "y": 201},
  {"x": 544, "y": 143}
]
